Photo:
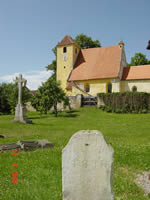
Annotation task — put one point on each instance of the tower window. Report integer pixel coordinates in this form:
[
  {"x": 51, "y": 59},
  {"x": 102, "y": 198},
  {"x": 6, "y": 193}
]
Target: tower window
[
  {"x": 65, "y": 49},
  {"x": 64, "y": 67},
  {"x": 134, "y": 89},
  {"x": 109, "y": 88},
  {"x": 87, "y": 88}
]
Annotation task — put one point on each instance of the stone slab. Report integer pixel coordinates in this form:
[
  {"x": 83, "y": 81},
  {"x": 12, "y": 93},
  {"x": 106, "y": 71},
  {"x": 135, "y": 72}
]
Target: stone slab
[{"x": 87, "y": 167}]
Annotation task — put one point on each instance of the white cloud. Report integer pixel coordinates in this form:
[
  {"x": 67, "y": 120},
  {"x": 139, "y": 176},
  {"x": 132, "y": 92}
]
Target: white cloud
[{"x": 34, "y": 78}]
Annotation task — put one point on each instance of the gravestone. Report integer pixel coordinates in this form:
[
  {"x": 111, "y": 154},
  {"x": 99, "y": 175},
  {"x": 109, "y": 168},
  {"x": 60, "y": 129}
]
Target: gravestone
[
  {"x": 87, "y": 167},
  {"x": 20, "y": 115}
]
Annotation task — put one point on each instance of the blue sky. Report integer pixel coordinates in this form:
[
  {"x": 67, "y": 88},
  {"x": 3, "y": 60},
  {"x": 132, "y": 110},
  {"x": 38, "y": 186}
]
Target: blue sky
[{"x": 29, "y": 29}]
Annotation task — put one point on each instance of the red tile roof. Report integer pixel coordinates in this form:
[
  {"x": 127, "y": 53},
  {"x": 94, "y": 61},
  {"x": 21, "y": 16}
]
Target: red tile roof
[
  {"x": 136, "y": 72},
  {"x": 66, "y": 40},
  {"x": 97, "y": 63}
]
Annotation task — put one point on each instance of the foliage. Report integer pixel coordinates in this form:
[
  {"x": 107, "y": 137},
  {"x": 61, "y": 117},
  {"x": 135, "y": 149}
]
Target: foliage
[
  {"x": 128, "y": 135},
  {"x": 9, "y": 97},
  {"x": 84, "y": 41},
  {"x": 48, "y": 95},
  {"x": 126, "y": 102},
  {"x": 52, "y": 67},
  {"x": 4, "y": 105},
  {"x": 139, "y": 59}
]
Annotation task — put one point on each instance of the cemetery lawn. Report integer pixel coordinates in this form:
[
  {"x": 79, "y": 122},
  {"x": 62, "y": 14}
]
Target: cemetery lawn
[{"x": 40, "y": 171}]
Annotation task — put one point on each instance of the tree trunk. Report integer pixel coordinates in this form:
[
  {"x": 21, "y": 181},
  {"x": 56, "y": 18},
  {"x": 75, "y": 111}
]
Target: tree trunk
[{"x": 55, "y": 109}]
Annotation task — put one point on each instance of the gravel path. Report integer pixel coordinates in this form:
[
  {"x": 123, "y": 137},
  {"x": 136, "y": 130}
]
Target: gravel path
[{"x": 143, "y": 180}]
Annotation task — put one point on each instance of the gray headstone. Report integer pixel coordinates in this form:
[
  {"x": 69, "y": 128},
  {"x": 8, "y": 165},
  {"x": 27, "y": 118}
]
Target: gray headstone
[{"x": 87, "y": 167}]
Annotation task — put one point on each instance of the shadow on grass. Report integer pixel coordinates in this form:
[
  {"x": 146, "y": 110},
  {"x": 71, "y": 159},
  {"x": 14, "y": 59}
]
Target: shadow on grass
[
  {"x": 38, "y": 117},
  {"x": 70, "y": 114},
  {"x": 72, "y": 111}
]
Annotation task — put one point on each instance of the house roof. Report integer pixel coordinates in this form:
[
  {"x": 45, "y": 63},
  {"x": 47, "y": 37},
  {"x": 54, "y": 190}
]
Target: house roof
[
  {"x": 97, "y": 63},
  {"x": 66, "y": 40},
  {"x": 136, "y": 72}
]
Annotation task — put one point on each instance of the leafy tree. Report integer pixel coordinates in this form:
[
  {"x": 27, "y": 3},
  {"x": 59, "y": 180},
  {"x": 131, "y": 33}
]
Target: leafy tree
[
  {"x": 13, "y": 96},
  {"x": 40, "y": 100},
  {"x": 4, "y": 105},
  {"x": 84, "y": 41},
  {"x": 48, "y": 95},
  {"x": 52, "y": 67},
  {"x": 139, "y": 59},
  {"x": 9, "y": 97}
]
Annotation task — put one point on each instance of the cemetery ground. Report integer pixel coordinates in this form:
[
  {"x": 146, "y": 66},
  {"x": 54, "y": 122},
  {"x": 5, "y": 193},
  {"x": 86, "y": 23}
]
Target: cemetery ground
[{"x": 39, "y": 172}]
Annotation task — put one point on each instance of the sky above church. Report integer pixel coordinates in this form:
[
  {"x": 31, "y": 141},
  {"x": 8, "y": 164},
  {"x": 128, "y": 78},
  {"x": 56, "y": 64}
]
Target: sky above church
[{"x": 29, "y": 29}]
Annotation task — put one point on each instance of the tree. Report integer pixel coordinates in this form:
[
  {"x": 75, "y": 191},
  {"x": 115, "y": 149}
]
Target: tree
[
  {"x": 9, "y": 97},
  {"x": 48, "y": 95},
  {"x": 83, "y": 41},
  {"x": 139, "y": 59},
  {"x": 12, "y": 90},
  {"x": 4, "y": 105},
  {"x": 40, "y": 101}
]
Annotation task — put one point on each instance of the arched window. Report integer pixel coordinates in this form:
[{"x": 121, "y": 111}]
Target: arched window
[
  {"x": 87, "y": 88},
  {"x": 109, "y": 88},
  {"x": 134, "y": 89},
  {"x": 65, "y": 49}
]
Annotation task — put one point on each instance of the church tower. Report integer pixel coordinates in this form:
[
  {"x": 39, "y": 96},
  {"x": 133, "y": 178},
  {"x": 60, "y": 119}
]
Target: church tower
[{"x": 67, "y": 52}]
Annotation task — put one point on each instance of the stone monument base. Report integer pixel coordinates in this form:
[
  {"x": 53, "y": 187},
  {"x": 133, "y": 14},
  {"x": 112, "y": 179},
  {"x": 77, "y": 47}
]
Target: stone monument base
[{"x": 20, "y": 115}]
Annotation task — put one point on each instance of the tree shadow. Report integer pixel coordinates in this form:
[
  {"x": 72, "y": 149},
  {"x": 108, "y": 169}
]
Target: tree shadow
[
  {"x": 72, "y": 111},
  {"x": 38, "y": 117},
  {"x": 70, "y": 114}
]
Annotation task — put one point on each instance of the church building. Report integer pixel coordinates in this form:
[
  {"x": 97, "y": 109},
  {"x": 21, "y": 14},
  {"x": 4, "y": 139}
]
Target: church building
[{"x": 98, "y": 70}]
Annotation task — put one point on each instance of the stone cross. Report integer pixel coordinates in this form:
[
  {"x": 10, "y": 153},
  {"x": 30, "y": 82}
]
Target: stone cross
[
  {"x": 87, "y": 167},
  {"x": 20, "y": 81},
  {"x": 20, "y": 114}
]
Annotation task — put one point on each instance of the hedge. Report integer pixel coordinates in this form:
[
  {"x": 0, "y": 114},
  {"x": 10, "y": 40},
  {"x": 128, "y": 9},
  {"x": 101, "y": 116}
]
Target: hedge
[{"x": 126, "y": 102}]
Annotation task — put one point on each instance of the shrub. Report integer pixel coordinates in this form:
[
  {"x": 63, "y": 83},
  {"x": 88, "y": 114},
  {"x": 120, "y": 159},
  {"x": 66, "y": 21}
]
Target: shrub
[{"x": 126, "y": 102}]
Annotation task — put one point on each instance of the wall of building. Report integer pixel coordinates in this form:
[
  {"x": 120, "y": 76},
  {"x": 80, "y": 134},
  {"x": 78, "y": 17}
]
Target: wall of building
[
  {"x": 142, "y": 85},
  {"x": 96, "y": 86}
]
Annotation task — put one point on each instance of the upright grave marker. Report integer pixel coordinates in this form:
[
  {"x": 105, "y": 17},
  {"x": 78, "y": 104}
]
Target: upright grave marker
[
  {"x": 20, "y": 110},
  {"x": 87, "y": 167}
]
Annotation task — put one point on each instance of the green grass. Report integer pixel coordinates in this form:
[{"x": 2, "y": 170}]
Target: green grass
[{"x": 40, "y": 171}]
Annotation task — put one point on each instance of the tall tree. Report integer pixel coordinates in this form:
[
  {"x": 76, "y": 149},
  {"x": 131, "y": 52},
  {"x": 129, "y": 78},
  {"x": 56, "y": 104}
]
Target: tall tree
[
  {"x": 83, "y": 41},
  {"x": 48, "y": 95},
  {"x": 139, "y": 59}
]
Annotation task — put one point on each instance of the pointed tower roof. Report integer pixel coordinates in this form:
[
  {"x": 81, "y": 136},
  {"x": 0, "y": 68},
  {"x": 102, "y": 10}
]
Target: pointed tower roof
[{"x": 66, "y": 40}]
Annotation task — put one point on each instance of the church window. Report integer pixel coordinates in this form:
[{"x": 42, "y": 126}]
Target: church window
[
  {"x": 65, "y": 49},
  {"x": 64, "y": 67},
  {"x": 134, "y": 89},
  {"x": 109, "y": 88},
  {"x": 87, "y": 88}
]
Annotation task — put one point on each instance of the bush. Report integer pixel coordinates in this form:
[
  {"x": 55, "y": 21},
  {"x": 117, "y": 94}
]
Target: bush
[{"x": 126, "y": 102}]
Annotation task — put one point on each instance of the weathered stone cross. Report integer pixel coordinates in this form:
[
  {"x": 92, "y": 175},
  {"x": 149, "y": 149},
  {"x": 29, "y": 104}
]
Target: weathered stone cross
[
  {"x": 20, "y": 81},
  {"x": 20, "y": 115}
]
